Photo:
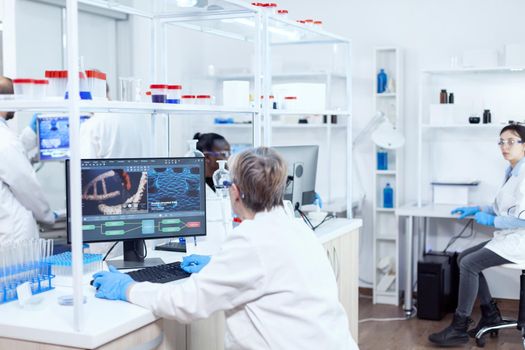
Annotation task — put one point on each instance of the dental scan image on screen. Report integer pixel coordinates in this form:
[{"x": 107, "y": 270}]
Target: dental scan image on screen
[
  {"x": 142, "y": 198},
  {"x": 53, "y": 136}
]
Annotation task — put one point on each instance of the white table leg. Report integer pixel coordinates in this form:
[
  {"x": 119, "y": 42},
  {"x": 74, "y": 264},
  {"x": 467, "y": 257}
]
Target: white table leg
[{"x": 408, "y": 261}]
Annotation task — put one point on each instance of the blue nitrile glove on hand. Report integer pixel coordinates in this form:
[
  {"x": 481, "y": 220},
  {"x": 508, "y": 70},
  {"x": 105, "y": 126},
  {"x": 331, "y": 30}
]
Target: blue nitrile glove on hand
[
  {"x": 484, "y": 219},
  {"x": 32, "y": 123},
  {"x": 112, "y": 285},
  {"x": 466, "y": 211},
  {"x": 318, "y": 200},
  {"x": 194, "y": 263}
]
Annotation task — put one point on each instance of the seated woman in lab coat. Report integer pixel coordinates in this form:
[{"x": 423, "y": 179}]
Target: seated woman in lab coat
[
  {"x": 271, "y": 277},
  {"x": 508, "y": 245}
]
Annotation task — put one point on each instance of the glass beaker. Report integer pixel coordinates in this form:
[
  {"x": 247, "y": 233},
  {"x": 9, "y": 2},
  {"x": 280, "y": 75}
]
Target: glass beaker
[{"x": 130, "y": 89}]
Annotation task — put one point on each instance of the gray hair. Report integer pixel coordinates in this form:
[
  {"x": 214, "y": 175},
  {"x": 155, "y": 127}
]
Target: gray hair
[{"x": 260, "y": 174}]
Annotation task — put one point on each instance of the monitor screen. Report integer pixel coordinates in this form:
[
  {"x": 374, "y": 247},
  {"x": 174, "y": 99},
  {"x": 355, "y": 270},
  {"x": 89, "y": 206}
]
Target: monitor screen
[
  {"x": 239, "y": 147},
  {"x": 306, "y": 156},
  {"x": 127, "y": 199},
  {"x": 53, "y": 136}
]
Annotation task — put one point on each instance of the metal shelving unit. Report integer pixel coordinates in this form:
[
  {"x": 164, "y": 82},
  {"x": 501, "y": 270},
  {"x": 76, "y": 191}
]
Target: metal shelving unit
[{"x": 233, "y": 19}]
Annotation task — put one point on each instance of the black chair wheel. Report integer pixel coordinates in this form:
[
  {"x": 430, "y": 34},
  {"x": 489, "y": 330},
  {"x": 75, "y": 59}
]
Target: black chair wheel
[
  {"x": 480, "y": 342},
  {"x": 494, "y": 334}
]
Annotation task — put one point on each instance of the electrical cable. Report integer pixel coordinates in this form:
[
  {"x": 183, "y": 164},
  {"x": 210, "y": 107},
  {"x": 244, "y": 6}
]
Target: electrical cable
[
  {"x": 366, "y": 282},
  {"x": 145, "y": 250},
  {"x": 303, "y": 215},
  {"x": 326, "y": 218},
  {"x": 460, "y": 235},
  {"x": 109, "y": 251}
]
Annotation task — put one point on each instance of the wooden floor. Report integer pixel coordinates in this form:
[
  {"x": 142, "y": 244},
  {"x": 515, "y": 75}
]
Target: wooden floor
[{"x": 412, "y": 334}]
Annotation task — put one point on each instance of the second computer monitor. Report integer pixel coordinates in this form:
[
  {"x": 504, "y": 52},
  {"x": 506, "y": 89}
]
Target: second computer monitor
[{"x": 302, "y": 170}]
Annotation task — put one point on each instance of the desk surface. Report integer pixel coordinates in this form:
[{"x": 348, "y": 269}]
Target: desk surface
[
  {"x": 104, "y": 320},
  {"x": 429, "y": 210}
]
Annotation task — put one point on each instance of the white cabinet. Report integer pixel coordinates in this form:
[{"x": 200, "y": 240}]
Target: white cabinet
[
  {"x": 387, "y": 173},
  {"x": 343, "y": 253}
]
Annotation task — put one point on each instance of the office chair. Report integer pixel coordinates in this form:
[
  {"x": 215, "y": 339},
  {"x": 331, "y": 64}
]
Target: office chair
[{"x": 519, "y": 324}]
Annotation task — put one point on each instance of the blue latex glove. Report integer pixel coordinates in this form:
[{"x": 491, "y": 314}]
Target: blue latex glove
[
  {"x": 318, "y": 200},
  {"x": 484, "y": 219},
  {"x": 32, "y": 123},
  {"x": 111, "y": 285},
  {"x": 466, "y": 211},
  {"x": 194, "y": 263}
]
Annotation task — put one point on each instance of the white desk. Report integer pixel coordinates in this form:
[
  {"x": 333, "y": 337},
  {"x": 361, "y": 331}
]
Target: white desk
[
  {"x": 107, "y": 324},
  {"x": 410, "y": 212}
]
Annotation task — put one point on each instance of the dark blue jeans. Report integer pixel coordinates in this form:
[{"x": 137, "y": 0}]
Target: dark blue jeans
[{"x": 472, "y": 283}]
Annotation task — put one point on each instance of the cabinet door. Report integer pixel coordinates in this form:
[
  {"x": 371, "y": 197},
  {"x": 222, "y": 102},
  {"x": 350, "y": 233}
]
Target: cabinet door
[
  {"x": 206, "y": 334},
  {"x": 329, "y": 248},
  {"x": 347, "y": 267}
]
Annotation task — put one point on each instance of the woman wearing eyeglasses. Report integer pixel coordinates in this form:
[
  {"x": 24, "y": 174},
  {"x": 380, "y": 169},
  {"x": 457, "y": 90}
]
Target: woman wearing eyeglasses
[
  {"x": 271, "y": 277},
  {"x": 214, "y": 147},
  {"x": 507, "y": 214}
]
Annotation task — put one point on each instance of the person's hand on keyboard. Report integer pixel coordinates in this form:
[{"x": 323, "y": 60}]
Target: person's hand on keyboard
[
  {"x": 112, "y": 284},
  {"x": 194, "y": 263}
]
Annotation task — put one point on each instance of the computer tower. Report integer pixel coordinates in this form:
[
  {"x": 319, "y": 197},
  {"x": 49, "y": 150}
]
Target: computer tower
[{"x": 437, "y": 276}]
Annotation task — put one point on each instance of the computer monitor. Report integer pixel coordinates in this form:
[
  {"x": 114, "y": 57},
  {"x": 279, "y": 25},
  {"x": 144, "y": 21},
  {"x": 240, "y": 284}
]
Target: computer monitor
[
  {"x": 131, "y": 200},
  {"x": 302, "y": 169},
  {"x": 239, "y": 147},
  {"x": 53, "y": 136}
]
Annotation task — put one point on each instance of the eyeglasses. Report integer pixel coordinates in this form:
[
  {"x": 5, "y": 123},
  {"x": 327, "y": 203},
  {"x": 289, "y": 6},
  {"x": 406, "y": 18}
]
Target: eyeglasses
[
  {"x": 220, "y": 154},
  {"x": 509, "y": 142}
]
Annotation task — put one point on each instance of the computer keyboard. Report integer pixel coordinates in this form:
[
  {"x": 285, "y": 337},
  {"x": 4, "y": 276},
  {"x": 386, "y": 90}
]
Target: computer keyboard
[{"x": 160, "y": 274}]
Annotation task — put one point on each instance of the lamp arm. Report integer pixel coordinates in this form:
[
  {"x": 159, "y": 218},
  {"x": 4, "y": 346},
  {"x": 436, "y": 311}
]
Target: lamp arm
[{"x": 373, "y": 123}]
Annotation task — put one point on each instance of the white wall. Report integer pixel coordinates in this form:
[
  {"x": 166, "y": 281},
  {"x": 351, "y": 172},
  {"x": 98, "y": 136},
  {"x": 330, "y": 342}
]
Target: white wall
[{"x": 430, "y": 33}]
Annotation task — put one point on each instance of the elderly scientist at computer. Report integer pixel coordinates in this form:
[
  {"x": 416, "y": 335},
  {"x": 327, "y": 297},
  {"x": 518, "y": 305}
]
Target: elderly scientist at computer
[
  {"x": 508, "y": 245},
  {"x": 271, "y": 276}
]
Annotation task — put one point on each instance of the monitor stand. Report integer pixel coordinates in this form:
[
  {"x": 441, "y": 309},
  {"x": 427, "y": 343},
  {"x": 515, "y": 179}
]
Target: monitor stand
[
  {"x": 134, "y": 252},
  {"x": 172, "y": 247}
]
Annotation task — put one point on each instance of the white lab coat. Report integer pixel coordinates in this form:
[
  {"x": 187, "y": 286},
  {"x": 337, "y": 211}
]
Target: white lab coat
[
  {"x": 510, "y": 201},
  {"x": 274, "y": 282},
  {"x": 21, "y": 197},
  {"x": 110, "y": 135}
]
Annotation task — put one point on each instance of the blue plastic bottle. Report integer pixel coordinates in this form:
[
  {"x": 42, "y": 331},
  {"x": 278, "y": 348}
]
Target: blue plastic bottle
[
  {"x": 381, "y": 81},
  {"x": 388, "y": 196},
  {"x": 382, "y": 160}
]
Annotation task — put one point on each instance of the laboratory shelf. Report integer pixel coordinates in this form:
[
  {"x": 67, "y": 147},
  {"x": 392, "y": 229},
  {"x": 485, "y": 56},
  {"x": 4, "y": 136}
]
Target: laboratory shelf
[
  {"x": 233, "y": 19},
  {"x": 386, "y": 210},
  {"x": 284, "y": 76},
  {"x": 386, "y": 94},
  {"x": 464, "y": 126},
  {"x": 386, "y": 172},
  {"x": 119, "y": 107},
  {"x": 308, "y": 126},
  {"x": 386, "y": 238},
  {"x": 307, "y": 112},
  {"x": 475, "y": 70},
  {"x": 285, "y": 126}
]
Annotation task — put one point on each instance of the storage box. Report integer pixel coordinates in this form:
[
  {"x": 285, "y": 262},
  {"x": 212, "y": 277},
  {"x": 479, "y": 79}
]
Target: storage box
[
  {"x": 452, "y": 192},
  {"x": 480, "y": 58},
  {"x": 514, "y": 55}
]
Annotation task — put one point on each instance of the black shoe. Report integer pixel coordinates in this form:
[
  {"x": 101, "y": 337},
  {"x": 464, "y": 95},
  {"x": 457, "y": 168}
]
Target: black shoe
[
  {"x": 490, "y": 316},
  {"x": 455, "y": 334}
]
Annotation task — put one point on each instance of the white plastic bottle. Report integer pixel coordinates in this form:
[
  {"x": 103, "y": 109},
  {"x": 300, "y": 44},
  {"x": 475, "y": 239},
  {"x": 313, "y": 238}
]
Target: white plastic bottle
[{"x": 221, "y": 179}]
